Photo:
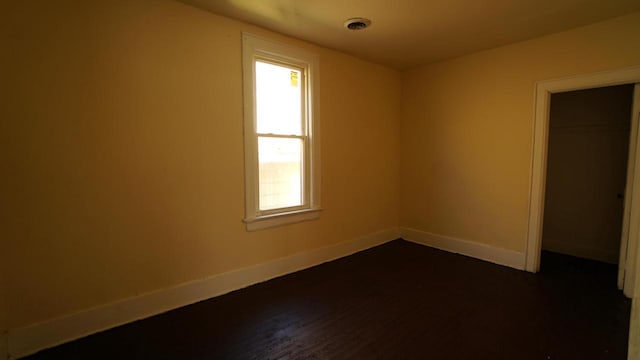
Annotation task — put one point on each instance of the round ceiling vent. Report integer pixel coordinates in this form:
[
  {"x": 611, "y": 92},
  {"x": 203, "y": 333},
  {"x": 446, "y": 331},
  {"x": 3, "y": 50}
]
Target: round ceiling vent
[{"x": 357, "y": 23}]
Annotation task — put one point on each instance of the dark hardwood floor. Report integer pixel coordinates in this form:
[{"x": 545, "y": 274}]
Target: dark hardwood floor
[{"x": 396, "y": 301}]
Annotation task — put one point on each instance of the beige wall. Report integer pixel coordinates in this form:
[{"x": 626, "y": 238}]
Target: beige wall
[
  {"x": 467, "y": 127},
  {"x": 122, "y": 132},
  {"x": 586, "y": 170}
]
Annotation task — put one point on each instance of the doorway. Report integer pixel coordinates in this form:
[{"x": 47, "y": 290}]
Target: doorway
[
  {"x": 588, "y": 147},
  {"x": 631, "y": 219},
  {"x": 628, "y": 278}
]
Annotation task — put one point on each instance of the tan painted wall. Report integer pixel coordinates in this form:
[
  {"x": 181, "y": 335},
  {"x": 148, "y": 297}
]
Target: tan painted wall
[
  {"x": 467, "y": 127},
  {"x": 123, "y": 135},
  {"x": 586, "y": 170}
]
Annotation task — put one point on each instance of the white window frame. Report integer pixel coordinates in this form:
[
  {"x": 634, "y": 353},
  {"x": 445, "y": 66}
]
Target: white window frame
[{"x": 255, "y": 48}]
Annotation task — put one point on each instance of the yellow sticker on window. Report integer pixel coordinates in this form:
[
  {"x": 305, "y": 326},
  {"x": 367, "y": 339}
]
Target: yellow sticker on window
[{"x": 294, "y": 78}]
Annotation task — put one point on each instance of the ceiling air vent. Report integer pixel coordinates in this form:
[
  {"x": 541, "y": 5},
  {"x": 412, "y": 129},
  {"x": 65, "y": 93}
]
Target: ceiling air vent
[{"x": 357, "y": 23}]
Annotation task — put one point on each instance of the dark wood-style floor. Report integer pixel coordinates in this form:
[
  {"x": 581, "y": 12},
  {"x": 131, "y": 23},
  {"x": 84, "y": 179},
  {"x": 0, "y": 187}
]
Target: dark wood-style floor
[{"x": 396, "y": 301}]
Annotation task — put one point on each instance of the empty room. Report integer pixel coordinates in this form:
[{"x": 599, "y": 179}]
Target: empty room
[{"x": 296, "y": 179}]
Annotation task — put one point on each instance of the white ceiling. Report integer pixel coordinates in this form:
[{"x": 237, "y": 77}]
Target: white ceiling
[{"x": 406, "y": 33}]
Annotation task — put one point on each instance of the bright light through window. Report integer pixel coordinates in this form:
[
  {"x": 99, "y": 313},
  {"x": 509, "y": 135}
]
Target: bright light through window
[
  {"x": 280, "y": 144},
  {"x": 280, "y": 172},
  {"x": 281, "y": 133},
  {"x": 278, "y": 99}
]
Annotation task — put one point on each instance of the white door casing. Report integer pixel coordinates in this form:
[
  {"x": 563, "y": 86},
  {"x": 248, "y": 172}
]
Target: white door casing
[
  {"x": 631, "y": 222},
  {"x": 543, "y": 91}
]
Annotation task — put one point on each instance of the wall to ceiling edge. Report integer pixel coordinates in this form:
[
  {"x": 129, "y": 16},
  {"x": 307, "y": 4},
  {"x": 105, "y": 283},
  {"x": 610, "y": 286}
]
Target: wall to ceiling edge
[{"x": 466, "y": 131}]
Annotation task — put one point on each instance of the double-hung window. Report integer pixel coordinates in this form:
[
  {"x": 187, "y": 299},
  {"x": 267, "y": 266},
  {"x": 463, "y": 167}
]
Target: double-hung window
[{"x": 280, "y": 133}]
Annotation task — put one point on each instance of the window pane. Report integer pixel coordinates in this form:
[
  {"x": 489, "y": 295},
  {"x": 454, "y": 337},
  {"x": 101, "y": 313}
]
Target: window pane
[
  {"x": 280, "y": 172},
  {"x": 278, "y": 99}
]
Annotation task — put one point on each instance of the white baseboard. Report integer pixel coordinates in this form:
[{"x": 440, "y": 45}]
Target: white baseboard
[
  {"x": 476, "y": 250},
  {"x": 581, "y": 252},
  {"x": 33, "y": 338}
]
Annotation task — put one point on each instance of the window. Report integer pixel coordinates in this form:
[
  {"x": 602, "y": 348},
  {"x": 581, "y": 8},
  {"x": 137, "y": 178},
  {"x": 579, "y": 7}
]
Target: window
[{"x": 280, "y": 134}]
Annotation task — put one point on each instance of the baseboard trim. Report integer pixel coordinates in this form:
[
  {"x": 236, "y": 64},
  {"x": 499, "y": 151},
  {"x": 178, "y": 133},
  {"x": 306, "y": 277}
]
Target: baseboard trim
[
  {"x": 33, "y": 338},
  {"x": 581, "y": 253},
  {"x": 476, "y": 250}
]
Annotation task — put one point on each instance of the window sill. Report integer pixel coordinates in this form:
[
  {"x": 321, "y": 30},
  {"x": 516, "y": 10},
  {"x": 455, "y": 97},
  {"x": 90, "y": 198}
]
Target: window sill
[{"x": 269, "y": 221}]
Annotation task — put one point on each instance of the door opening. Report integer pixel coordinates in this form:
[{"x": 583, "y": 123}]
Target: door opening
[
  {"x": 629, "y": 248},
  {"x": 588, "y": 148},
  {"x": 631, "y": 218}
]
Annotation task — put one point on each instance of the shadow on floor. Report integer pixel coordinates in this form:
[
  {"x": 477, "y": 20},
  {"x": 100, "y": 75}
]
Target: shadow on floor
[{"x": 396, "y": 301}]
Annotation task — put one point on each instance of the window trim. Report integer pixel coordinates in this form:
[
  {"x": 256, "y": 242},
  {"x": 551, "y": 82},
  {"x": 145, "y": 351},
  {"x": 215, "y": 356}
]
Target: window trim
[{"x": 256, "y": 48}]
